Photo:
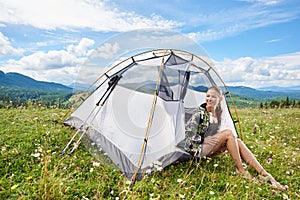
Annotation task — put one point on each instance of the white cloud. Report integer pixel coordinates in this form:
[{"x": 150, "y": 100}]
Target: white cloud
[
  {"x": 264, "y": 2},
  {"x": 58, "y": 66},
  {"x": 6, "y": 48},
  {"x": 70, "y": 14},
  {"x": 53, "y": 66},
  {"x": 283, "y": 70},
  {"x": 225, "y": 23},
  {"x": 44, "y": 61},
  {"x": 107, "y": 51},
  {"x": 82, "y": 48},
  {"x": 273, "y": 41}
]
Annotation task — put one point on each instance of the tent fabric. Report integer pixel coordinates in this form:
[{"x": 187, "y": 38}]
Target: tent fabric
[{"x": 117, "y": 114}]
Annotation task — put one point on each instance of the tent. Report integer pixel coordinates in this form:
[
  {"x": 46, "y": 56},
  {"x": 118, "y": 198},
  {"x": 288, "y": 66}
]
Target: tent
[{"x": 136, "y": 115}]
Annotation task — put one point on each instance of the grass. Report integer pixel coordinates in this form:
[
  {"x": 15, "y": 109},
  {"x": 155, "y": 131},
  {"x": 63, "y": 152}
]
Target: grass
[{"x": 32, "y": 168}]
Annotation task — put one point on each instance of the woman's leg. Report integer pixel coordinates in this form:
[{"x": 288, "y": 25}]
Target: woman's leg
[
  {"x": 249, "y": 158},
  {"x": 252, "y": 161},
  {"x": 230, "y": 140}
]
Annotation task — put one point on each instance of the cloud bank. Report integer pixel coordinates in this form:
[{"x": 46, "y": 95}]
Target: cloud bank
[
  {"x": 63, "y": 66},
  {"x": 55, "y": 65},
  {"x": 74, "y": 14},
  {"x": 283, "y": 70},
  {"x": 6, "y": 49}
]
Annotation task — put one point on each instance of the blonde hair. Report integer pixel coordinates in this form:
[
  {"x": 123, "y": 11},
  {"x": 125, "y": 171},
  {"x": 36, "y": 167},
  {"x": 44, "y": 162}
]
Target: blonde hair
[{"x": 218, "y": 108}]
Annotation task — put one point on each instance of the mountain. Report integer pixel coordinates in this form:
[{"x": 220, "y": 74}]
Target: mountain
[
  {"x": 18, "y": 86},
  {"x": 281, "y": 89},
  {"x": 265, "y": 93},
  {"x": 262, "y": 93},
  {"x": 19, "y": 81}
]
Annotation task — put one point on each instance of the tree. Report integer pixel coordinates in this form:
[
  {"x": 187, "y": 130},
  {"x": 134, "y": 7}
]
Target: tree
[
  {"x": 287, "y": 102},
  {"x": 274, "y": 104},
  {"x": 261, "y": 105}
]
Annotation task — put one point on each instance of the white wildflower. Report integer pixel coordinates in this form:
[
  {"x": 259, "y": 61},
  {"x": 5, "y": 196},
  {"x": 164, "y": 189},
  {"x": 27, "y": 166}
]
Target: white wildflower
[
  {"x": 40, "y": 149},
  {"x": 285, "y": 196},
  {"x": 211, "y": 192},
  {"x": 91, "y": 170},
  {"x": 179, "y": 180},
  {"x": 37, "y": 155},
  {"x": 287, "y": 172},
  {"x": 96, "y": 164},
  {"x": 148, "y": 171},
  {"x": 181, "y": 196},
  {"x": 158, "y": 168},
  {"x": 157, "y": 163},
  {"x": 128, "y": 182},
  {"x": 216, "y": 165}
]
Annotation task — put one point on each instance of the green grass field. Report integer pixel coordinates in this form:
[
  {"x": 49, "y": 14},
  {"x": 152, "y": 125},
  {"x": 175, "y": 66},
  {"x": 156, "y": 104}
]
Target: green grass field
[{"x": 32, "y": 168}]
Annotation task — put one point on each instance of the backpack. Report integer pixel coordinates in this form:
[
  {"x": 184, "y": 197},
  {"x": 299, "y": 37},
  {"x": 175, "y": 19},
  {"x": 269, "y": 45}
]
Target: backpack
[{"x": 195, "y": 129}]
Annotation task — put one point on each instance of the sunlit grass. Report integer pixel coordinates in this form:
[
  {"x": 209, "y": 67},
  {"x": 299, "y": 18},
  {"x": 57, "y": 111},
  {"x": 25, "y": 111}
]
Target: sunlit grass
[{"x": 32, "y": 168}]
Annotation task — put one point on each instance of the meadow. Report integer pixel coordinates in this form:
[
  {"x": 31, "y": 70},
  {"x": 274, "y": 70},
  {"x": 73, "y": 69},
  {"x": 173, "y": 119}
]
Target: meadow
[{"x": 31, "y": 166}]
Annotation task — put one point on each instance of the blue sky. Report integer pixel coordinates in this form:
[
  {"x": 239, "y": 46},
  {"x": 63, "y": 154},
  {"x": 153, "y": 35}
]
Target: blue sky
[{"x": 251, "y": 42}]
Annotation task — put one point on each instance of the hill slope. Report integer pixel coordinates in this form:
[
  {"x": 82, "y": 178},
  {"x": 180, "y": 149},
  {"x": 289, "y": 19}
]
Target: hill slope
[
  {"x": 248, "y": 92},
  {"x": 16, "y": 80},
  {"x": 18, "y": 86}
]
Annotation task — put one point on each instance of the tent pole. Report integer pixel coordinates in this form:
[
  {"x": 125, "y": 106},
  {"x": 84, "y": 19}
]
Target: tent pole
[{"x": 149, "y": 121}]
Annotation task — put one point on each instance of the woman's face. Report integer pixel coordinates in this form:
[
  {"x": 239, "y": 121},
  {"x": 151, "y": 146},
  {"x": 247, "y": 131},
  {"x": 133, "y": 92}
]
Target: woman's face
[{"x": 212, "y": 99}]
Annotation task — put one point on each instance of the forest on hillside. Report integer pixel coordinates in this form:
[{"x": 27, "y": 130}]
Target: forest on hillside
[{"x": 16, "y": 97}]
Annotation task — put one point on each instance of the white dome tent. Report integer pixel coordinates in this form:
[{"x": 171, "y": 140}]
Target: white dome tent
[{"x": 136, "y": 114}]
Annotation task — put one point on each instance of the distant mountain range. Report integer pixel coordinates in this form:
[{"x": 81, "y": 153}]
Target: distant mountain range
[
  {"x": 15, "y": 80},
  {"x": 281, "y": 89},
  {"x": 266, "y": 93}
]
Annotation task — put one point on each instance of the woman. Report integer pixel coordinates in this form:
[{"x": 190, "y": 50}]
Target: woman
[{"x": 216, "y": 141}]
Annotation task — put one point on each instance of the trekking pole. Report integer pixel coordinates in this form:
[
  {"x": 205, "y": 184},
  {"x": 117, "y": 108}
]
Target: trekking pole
[
  {"x": 111, "y": 87},
  {"x": 81, "y": 126},
  {"x": 78, "y": 130},
  {"x": 83, "y": 133},
  {"x": 77, "y": 142},
  {"x": 70, "y": 141},
  {"x": 111, "y": 83}
]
